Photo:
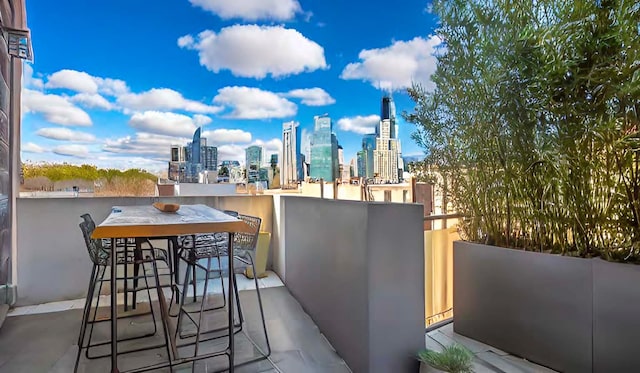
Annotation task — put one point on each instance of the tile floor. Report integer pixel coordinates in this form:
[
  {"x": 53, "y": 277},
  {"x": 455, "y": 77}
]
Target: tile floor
[
  {"x": 487, "y": 359},
  {"x": 43, "y": 338},
  {"x": 244, "y": 283}
]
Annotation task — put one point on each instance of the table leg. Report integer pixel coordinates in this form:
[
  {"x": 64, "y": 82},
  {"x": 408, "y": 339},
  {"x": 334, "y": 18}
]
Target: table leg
[
  {"x": 114, "y": 308},
  {"x": 126, "y": 274},
  {"x": 137, "y": 257},
  {"x": 176, "y": 261},
  {"x": 232, "y": 280}
]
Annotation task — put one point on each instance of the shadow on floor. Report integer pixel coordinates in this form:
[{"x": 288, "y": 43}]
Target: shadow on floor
[{"x": 47, "y": 342}]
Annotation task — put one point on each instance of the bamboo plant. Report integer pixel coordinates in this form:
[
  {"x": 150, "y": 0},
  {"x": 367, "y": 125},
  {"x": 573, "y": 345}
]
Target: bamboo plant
[{"x": 534, "y": 123}]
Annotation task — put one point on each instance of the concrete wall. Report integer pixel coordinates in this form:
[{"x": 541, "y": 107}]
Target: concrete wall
[
  {"x": 537, "y": 306},
  {"x": 193, "y": 190},
  {"x": 52, "y": 261},
  {"x": 358, "y": 270}
]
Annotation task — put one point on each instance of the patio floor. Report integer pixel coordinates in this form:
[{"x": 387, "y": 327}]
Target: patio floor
[
  {"x": 487, "y": 359},
  {"x": 46, "y": 342}
]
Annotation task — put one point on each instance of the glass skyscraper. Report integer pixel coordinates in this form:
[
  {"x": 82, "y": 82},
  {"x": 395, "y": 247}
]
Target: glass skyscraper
[
  {"x": 368, "y": 146},
  {"x": 195, "y": 147},
  {"x": 324, "y": 150},
  {"x": 187, "y": 162},
  {"x": 253, "y": 162}
]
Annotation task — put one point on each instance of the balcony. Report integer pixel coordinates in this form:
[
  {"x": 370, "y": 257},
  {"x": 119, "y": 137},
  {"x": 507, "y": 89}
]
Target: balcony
[
  {"x": 351, "y": 287},
  {"x": 345, "y": 290}
]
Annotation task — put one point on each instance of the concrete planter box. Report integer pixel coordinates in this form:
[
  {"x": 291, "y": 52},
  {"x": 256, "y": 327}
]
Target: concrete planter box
[
  {"x": 616, "y": 326},
  {"x": 570, "y": 314},
  {"x": 426, "y": 368},
  {"x": 537, "y": 306}
]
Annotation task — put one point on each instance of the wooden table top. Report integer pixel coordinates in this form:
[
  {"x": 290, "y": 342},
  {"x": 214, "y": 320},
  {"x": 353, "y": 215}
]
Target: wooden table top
[{"x": 148, "y": 221}]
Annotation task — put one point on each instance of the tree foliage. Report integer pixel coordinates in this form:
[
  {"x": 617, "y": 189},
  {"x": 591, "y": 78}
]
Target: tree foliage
[
  {"x": 65, "y": 171},
  {"x": 105, "y": 182},
  {"x": 534, "y": 122}
]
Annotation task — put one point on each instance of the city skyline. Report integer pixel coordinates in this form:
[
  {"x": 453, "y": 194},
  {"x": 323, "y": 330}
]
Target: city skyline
[{"x": 119, "y": 104}]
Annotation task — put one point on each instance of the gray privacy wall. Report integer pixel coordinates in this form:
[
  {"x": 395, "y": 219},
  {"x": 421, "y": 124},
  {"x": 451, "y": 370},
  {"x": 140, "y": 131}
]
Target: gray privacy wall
[
  {"x": 52, "y": 260},
  {"x": 358, "y": 270}
]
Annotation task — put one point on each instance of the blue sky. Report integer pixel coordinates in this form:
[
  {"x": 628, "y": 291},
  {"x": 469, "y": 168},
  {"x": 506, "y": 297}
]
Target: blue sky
[{"x": 115, "y": 83}]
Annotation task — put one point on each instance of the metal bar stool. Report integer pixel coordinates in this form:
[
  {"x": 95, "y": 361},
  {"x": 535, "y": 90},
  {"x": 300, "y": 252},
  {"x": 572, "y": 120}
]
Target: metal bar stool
[
  {"x": 244, "y": 250},
  {"x": 100, "y": 254}
]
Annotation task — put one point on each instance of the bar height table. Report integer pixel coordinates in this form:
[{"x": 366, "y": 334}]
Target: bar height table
[{"x": 146, "y": 221}]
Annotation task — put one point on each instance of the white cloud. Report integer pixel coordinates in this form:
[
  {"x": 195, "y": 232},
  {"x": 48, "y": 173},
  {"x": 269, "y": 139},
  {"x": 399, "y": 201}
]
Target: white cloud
[
  {"x": 254, "y": 103},
  {"x": 112, "y": 87},
  {"x": 164, "y": 99},
  {"x": 65, "y": 134},
  {"x": 144, "y": 144},
  {"x": 91, "y": 100},
  {"x": 32, "y": 148},
  {"x": 359, "y": 124},
  {"x": 256, "y": 51},
  {"x": 158, "y": 146},
  {"x": 237, "y": 152},
  {"x": 201, "y": 120},
  {"x": 279, "y": 10},
  {"x": 312, "y": 96},
  {"x": 270, "y": 146},
  {"x": 397, "y": 66},
  {"x": 54, "y": 108},
  {"x": 72, "y": 150},
  {"x": 28, "y": 80},
  {"x": 78, "y": 81},
  {"x": 186, "y": 41},
  {"x": 165, "y": 123},
  {"x": 226, "y": 136},
  {"x": 82, "y": 82}
]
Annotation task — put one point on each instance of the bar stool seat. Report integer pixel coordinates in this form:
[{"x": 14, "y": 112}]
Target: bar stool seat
[
  {"x": 215, "y": 250},
  {"x": 100, "y": 256}
]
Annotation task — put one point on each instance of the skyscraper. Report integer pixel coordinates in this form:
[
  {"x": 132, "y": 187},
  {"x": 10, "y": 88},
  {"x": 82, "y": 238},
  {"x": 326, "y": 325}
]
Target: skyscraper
[
  {"x": 209, "y": 157},
  {"x": 362, "y": 163},
  {"x": 291, "y": 160},
  {"x": 189, "y": 161},
  {"x": 324, "y": 150},
  {"x": 195, "y": 147},
  {"x": 386, "y": 154},
  {"x": 253, "y": 162},
  {"x": 343, "y": 169},
  {"x": 368, "y": 146}
]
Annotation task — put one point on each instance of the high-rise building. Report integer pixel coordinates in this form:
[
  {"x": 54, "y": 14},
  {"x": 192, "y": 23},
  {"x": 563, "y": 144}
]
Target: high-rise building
[
  {"x": 324, "y": 150},
  {"x": 178, "y": 153},
  {"x": 386, "y": 154},
  {"x": 369, "y": 146},
  {"x": 362, "y": 163},
  {"x": 291, "y": 170},
  {"x": 343, "y": 168},
  {"x": 177, "y": 164},
  {"x": 229, "y": 164},
  {"x": 353, "y": 167},
  {"x": 209, "y": 157},
  {"x": 195, "y": 147},
  {"x": 388, "y": 111},
  {"x": 187, "y": 162},
  {"x": 253, "y": 157}
]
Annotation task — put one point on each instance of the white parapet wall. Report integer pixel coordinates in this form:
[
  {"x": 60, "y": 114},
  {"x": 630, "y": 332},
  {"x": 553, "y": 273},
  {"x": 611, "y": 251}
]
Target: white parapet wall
[
  {"x": 52, "y": 263},
  {"x": 193, "y": 190}
]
